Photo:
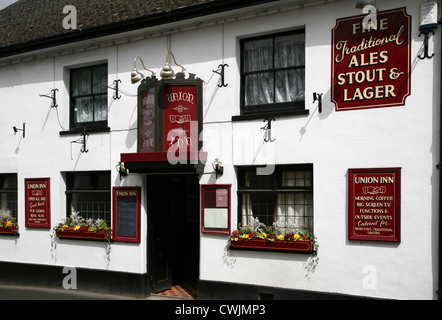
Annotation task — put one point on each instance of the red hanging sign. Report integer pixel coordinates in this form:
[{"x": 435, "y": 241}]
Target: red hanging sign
[
  {"x": 37, "y": 203},
  {"x": 180, "y": 118},
  {"x": 374, "y": 202},
  {"x": 371, "y": 60}
]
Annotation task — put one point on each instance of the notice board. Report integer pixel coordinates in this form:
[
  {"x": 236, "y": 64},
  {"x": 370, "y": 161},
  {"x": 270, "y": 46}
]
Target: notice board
[
  {"x": 215, "y": 209},
  {"x": 374, "y": 204},
  {"x": 38, "y": 203},
  {"x": 126, "y": 214}
]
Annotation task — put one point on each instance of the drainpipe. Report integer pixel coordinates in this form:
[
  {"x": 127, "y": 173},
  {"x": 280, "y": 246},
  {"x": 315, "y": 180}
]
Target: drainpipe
[{"x": 440, "y": 185}]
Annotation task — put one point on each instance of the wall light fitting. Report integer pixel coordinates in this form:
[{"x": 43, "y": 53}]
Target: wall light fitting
[
  {"x": 360, "y": 4},
  {"x": 218, "y": 167},
  {"x": 135, "y": 75},
  {"x": 167, "y": 71},
  {"x": 121, "y": 169},
  {"x": 53, "y": 96}
]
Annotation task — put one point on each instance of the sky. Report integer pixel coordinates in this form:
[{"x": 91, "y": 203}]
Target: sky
[{"x": 5, "y": 3}]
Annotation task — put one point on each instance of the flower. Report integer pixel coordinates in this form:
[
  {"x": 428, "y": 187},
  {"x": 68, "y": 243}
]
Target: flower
[
  {"x": 281, "y": 237},
  {"x": 297, "y": 236},
  {"x": 9, "y": 223},
  {"x": 77, "y": 228}
]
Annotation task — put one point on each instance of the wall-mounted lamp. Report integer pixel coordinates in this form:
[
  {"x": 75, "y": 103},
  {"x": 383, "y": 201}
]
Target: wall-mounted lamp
[
  {"x": 23, "y": 130},
  {"x": 318, "y": 97},
  {"x": 167, "y": 71},
  {"x": 218, "y": 167},
  {"x": 361, "y": 4},
  {"x": 121, "y": 169},
  {"x": 135, "y": 75}
]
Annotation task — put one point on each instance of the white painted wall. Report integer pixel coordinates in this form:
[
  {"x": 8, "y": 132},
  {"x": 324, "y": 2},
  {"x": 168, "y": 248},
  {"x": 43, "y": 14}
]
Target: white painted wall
[{"x": 406, "y": 137}]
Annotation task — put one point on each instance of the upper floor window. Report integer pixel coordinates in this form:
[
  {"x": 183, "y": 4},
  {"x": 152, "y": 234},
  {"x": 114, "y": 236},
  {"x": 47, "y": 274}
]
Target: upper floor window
[
  {"x": 273, "y": 73},
  {"x": 88, "y": 95}
]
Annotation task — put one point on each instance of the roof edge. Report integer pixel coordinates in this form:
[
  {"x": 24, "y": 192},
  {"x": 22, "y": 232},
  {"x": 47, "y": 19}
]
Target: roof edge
[{"x": 153, "y": 20}]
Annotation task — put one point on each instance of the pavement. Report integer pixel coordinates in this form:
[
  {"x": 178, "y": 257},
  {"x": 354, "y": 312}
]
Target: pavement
[{"x": 34, "y": 293}]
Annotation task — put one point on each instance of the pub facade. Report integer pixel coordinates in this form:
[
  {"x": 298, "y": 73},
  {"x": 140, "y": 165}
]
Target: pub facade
[{"x": 259, "y": 149}]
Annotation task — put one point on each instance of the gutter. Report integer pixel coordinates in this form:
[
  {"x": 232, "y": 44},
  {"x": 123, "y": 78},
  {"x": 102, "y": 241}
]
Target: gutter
[{"x": 153, "y": 20}]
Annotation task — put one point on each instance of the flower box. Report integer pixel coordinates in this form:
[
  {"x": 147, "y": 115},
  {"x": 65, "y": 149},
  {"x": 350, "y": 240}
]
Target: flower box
[
  {"x": 80, "y": 234},
  {"x": 12, "y": 230},
  {"x": 275, "y": 245}
]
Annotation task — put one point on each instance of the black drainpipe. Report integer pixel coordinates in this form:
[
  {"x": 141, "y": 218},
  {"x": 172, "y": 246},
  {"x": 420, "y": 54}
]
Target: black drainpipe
[{"x": 440, "y": 186}]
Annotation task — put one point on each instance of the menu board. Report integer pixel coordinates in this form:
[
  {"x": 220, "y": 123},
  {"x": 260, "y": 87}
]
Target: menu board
[
  {"x": 374, "y": 204},
  {"x": 215, "y": 216},
  {"x": 37, "y": 203},
  {"x": 126, "y": 214}
]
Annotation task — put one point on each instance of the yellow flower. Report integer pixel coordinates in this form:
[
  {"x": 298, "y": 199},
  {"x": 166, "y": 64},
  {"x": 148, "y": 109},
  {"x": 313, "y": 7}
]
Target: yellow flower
[
  {"x": 245, "y": 236},
  {"x": 281, "y": 237},
  {"x": 65, "y": 226},
  {"x": 77, "y": 228},
  {"x": 297, "y": 236},
  {"x": 9, "y": 223},
  {"x": 263, "y": 235},
  {"x": 91, "y": 229}
]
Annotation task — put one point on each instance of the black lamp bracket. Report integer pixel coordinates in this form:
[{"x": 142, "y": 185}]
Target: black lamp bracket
[
  {"x": 82, "y": 141},
  {"x": 221, "y": 72},
  {"x": 268, "y": 129},
  {"x": 318, "y": 97},
  {"x": 426, "y": 34},
  {"x": 53, "y": 96},
  {"x": 116, "y": 95}
]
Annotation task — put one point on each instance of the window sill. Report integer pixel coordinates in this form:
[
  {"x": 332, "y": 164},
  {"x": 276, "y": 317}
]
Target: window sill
[
  {"x": 276, "y": 245},
  {"x": 77, "y": 131},
  {"x": 263, "y": 115},
  {"x": 84, "y": 235}
]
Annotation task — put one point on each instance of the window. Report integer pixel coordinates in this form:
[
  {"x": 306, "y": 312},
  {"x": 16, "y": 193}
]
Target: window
[
  {"x": 284, "y": 198},
  {"x": 8, "y": 195},
  {"x": 89, "y": 194},
  {"x": 273, "y": 69},
  {"x": 89, "y": 97}
]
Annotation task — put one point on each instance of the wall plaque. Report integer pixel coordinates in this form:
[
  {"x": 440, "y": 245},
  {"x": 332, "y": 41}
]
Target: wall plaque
[
  {"x": 374, "y": 204},
  {"x": 38, "y": 203},
  {"x": 371, "y": 60}
]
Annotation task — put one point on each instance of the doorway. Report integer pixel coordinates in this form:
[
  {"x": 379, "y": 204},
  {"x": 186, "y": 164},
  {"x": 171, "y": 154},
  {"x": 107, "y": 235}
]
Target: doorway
[{"x": 174, "y": 232}]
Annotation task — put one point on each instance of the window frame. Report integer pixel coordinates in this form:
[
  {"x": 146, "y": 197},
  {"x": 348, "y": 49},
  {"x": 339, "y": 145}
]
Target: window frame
[
  {"x": 277, "y": 187},
  {"x": 92, "y": 125},
  {"x": 274, "y": 109},
  {"x": 70, "y": 190},
  {"x": 10, "y": 191}
]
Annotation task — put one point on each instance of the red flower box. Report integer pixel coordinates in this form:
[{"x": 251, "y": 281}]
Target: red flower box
[
  {"x": 276, "y": 245},
  {"x": 13, "y": 230},
  {"x": 80, "y": 234}
]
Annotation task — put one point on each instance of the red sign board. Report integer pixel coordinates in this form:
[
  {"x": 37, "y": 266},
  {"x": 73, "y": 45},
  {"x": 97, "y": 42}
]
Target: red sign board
[
  {"x": 180, "y": 118},
  {"x": 38, "y": 203},
  {"x": 146, "y": 120},
  {"x": 371, "y": 60},
  {"x": 374, "y": 201}
]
